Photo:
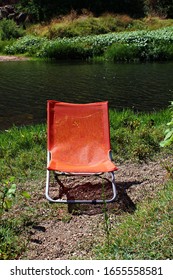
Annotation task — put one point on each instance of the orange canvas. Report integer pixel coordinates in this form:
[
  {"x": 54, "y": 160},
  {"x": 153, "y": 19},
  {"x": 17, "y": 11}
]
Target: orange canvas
[{"x": 78, "y": 137}]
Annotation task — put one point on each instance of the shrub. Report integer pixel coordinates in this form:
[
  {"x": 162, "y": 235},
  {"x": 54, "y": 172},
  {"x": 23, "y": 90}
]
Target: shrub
[
  {"x": 10, "y": 30},
  {"x": 60, "y": 49},
  {"x": 27, "y": 44},
  {"x": 122, "y": 52}
]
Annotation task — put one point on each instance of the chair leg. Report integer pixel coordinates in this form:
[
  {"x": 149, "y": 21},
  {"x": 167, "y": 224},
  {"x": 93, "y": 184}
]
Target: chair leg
[{"x": 81, "y": 201}]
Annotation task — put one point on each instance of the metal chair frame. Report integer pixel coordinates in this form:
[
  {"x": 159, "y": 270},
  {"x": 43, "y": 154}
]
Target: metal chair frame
[{"x": 92, "y": 201}]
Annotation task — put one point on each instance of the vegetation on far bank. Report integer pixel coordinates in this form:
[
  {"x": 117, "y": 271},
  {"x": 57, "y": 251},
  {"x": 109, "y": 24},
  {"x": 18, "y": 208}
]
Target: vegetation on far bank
[
  {"x": 134, "y": 136},
  {"x": 107, "y": 38}
]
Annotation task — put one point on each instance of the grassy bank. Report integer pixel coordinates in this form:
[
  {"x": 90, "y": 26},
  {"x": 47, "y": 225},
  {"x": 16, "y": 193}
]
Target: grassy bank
[
  {"x": 109, "y": 37},
  {"x": 73, "y": 25},
  {"x": 134, "y": 136}
]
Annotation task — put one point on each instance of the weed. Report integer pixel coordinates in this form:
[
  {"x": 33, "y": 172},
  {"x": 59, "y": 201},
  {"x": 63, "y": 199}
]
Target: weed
[
  {"x": 168, "y": 140},
  {"x": 7, "y": 194}
]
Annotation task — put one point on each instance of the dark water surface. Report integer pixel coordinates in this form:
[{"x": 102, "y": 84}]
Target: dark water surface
[{"x": 26, "y": 85}]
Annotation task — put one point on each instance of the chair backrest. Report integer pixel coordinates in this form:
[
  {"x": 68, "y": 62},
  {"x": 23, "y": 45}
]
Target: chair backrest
[{"x": 78, "y": 132}]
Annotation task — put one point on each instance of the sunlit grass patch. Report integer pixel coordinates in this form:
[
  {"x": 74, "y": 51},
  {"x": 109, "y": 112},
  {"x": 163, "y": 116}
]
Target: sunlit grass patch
[
  {"x": 137, "y": 135},
  {"x": 23, "y": 151},
  {"x": 145, "y": 234}
]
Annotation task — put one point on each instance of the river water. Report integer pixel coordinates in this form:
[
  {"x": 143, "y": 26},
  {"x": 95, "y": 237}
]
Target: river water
[{"x": 26, "y": 85}]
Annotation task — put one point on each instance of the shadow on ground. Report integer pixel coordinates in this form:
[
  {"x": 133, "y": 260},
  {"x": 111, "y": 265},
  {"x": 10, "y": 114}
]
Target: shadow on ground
[{"x": 98, "y": 188}]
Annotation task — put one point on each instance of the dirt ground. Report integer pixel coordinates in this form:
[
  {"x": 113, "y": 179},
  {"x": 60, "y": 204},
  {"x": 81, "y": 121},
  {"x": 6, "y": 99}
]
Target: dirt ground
[{"x": 72, "y": 231}]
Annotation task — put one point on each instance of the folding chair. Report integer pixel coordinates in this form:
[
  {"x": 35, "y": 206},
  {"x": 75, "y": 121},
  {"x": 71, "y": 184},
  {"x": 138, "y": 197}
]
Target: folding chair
[{"x": 78, "y": 143}]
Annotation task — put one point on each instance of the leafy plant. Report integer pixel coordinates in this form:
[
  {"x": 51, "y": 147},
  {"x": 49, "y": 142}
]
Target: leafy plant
[
  {"x": 10, "y": 246},
  {"x": 168, "y": 140},
  {"x": 27, "y": 44},
  {"x": 7, "y": 194}
]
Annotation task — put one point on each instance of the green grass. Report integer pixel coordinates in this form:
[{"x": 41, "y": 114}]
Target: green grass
[
  {"x": 23, "y": 151},
  {"x": 11, "y": 246},
  {"x": 137, "y": 136},
  {"x": 133, "y": 136},
  {"x": 147, "y": 234}
]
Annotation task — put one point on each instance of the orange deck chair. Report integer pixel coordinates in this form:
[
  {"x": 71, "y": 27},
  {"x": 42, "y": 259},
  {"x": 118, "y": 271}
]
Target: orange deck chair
[{"x": 78, "y": 143}]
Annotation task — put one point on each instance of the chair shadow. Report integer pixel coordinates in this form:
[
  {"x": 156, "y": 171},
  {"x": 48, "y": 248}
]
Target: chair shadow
[
  {"x": 95, "y": 190},
  {"x": 122, "y": 203}
]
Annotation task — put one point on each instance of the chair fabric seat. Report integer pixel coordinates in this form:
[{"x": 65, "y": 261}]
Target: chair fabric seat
[{"x": 104, "y": 166}]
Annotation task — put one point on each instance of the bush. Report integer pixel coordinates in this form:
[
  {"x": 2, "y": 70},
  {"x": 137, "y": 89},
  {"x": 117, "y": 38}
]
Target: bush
[
  {"x": 27, "y": 44},
  {"x": 160, "y": 52},
  {"x": 122, "y": 52},
  {"x": 60, "y": 50},
  {"x": 10, "y": 30}
]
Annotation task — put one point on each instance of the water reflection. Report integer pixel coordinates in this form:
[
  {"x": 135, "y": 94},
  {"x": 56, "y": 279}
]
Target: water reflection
[{"x": 25, "y": 86}]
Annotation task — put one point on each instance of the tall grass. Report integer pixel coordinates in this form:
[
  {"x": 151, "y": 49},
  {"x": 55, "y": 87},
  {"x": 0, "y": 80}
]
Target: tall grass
[
  {"x": 73, "y": 25},
  {"x": 23, "y": 156}
]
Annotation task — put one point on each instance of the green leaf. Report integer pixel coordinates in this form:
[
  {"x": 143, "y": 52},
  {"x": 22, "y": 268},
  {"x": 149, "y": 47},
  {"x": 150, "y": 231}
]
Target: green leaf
[
  {"x": 12, "y": 190},
  {"x": 7, "y": 204},
  {"x": 168, "y": 135},
  {"x": 26, "y": 194}
]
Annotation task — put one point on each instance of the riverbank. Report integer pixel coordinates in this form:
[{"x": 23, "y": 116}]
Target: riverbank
[
  {"x": 155, "y": 45},
  {"x": 12, "y": 58},
  {"x": 106, "y": 38},
  {"x": 142, "y": 164}
]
